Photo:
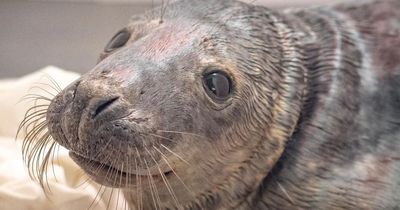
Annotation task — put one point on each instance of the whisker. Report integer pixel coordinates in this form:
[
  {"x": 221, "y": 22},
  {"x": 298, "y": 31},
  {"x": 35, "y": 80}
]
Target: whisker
[
  {"x": 102, "y": 149},
  {"x": 38, "y": 126},
  {"x": 31, "y": 122},
  {"x": 55, "y": 159},
  {"x": 110, "y": 198},
  {"x": 140, "y": 180},
  {"x": 34, "y": 117},
  {"x": 120, "y": 179},
  {"x": 87, "y": 179},
  {"x": 44, "y": 166},
  {"x": 173, "y": 171},
  {"x": 106, "y": 177},
  {"x": 29, "y": 147},
  {"x": 33, "y": 112},
  {"x": 120, "y": 183},
  {"x": 151, "y": 185},
  {"x": 39, "y": 150},
  {"x": 95, "y": 198},
  {"x": 114, "y": 170},
  {"x": 183, "y": 133},
  {"x": 34, "y": 133},
  {"x": 99, "y": 168},
  {"x": 34, "y": 97},
  {"x": 285, "y": 192},
  {"x": 42, "y": 89},
  {"x": 165, "y": 180},
  {"x": 29, "y": 134},
  {"x": 175, "y": 154},
  {"x": 127, "y": 179},
  {"x": 50, "y": 86},
  {"x": 53, "y": 81},
  {"x": 155, "y": 190},
  {"x": 139, "y": 201},
  {"x": 36, "y": 159},
  {"x": 162, "y": 137},
  {"x": 85, "y": 183}
]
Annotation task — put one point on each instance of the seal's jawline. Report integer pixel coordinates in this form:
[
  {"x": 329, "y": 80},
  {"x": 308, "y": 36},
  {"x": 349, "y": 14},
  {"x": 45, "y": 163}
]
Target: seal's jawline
[{"x": 90, "y": 164}]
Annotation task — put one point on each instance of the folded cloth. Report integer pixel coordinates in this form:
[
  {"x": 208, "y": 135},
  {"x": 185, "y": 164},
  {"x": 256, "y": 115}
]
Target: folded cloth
[{"x": 67, "y": 185}]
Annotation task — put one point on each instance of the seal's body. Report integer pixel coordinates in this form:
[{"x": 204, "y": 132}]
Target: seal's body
[
  {"x": 345, "y": 151},
  {"x": 226, "y": 105}
]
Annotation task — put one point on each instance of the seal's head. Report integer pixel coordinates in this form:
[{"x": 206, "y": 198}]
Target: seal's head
[{"x": 192, "y": 110}]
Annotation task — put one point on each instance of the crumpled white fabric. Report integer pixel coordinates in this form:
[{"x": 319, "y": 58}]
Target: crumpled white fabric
[{"x": 17, "y": 190}]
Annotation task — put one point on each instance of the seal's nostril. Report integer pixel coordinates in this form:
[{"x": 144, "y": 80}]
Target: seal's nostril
[{"x": 102, "y": 106}]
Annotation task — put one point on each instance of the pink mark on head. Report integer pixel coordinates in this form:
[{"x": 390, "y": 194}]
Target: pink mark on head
[{"x": 166, "y": 42}]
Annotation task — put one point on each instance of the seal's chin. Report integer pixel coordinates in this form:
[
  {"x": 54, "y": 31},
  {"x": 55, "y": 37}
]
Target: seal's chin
[{"x": 112, "y": 177}]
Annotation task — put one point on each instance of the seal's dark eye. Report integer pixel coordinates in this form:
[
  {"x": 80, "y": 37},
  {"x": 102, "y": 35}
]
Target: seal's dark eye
[
  {"x": 118, "y": 40},
  {"x": 218, "y": 85}
]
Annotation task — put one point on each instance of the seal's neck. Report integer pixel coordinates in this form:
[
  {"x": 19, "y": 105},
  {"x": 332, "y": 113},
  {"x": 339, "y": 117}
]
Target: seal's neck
[{"x": 333, "y": 60}]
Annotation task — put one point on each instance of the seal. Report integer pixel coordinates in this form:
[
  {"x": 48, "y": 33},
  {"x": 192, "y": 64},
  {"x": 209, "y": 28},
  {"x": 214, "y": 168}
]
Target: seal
[{"x": 219, "y": 104}]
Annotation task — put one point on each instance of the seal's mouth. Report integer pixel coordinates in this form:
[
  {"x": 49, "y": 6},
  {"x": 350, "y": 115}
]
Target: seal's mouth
[{"x": 108, "y": 175}]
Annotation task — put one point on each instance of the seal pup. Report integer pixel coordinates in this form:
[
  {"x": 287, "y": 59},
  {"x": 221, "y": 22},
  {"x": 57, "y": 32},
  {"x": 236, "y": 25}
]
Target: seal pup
[{"x": 220, "y": 104}]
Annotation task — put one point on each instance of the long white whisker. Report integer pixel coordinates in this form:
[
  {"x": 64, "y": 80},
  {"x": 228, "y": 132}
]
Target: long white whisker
[
  {"x": 174, "y": 154},
  {"x": 173, "y": 171},
  {"x": 162, "y": 137},
  {"x": 165, "y": 180},
  {"x": 285, "y": 192},
  {"x": 183, "y": 133},
  {"x": 120, "y": 183},
  {"x": 151, "y": 185}
]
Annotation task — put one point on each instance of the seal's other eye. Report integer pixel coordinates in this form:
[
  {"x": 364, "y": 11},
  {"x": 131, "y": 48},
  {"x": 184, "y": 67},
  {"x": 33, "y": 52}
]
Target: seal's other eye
[
  {"x": 218, "y": 85},
  {"x": 118, "y": 40}
]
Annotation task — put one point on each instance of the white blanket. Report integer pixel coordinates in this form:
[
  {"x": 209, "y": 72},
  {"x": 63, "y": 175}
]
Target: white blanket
[{"x": 17, "y": 190}]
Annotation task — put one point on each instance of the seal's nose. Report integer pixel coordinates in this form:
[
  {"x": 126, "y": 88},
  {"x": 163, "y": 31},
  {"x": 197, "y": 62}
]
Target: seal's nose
[{"x": 102, "y": 106}]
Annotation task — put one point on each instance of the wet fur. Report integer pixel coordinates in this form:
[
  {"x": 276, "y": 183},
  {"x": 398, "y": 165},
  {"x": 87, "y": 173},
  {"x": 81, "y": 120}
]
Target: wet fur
[{"x": 314, "y": 122}]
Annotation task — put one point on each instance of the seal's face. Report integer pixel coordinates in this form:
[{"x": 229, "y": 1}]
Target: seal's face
[{"x": 169, "y": 113}]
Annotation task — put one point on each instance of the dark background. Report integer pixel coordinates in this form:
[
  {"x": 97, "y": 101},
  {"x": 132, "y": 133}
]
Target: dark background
[{"x": 70, "y": 33}]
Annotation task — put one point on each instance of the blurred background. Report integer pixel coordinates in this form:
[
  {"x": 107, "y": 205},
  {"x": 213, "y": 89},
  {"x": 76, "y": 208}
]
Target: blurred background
[{"x": 71, "y": 33}]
